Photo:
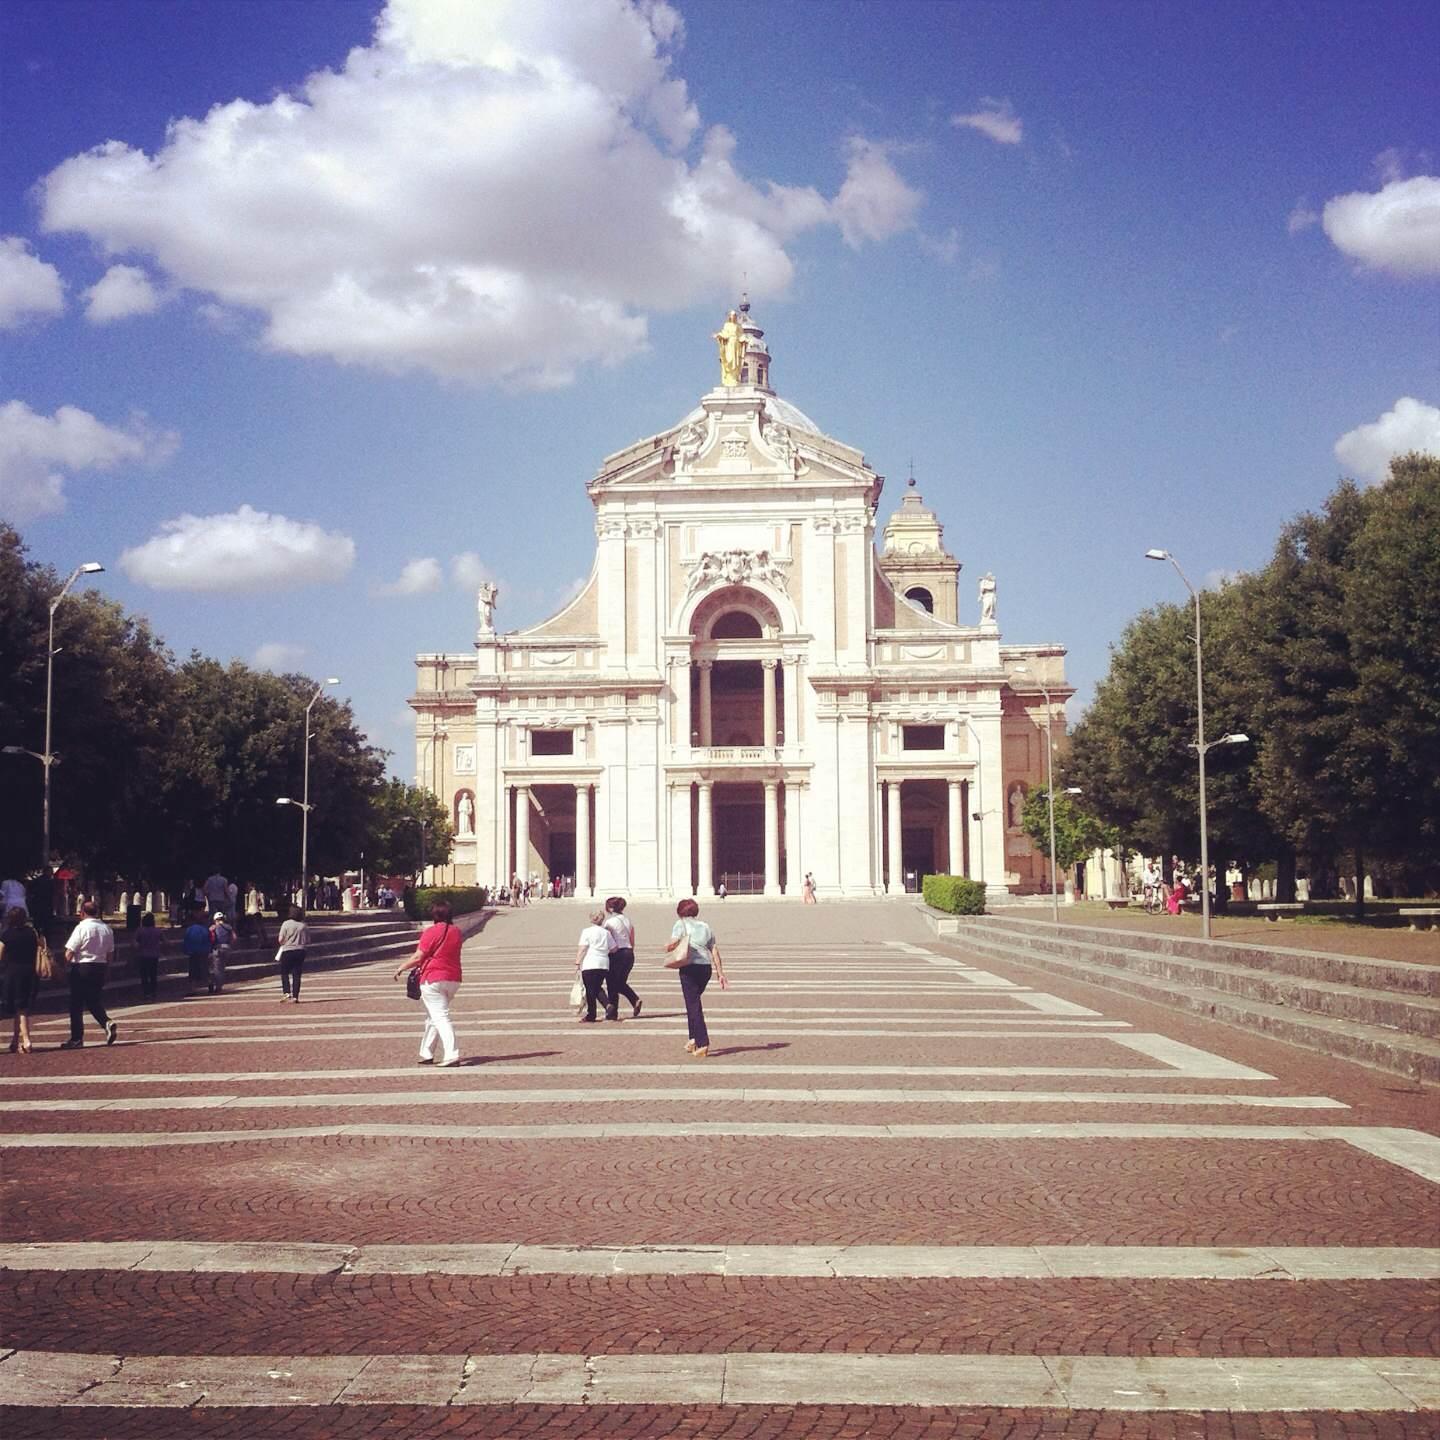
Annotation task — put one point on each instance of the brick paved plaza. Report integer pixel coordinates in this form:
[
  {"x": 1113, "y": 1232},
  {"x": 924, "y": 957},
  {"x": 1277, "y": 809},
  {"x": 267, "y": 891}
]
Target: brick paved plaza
[{"x": 908, "y": 1194}]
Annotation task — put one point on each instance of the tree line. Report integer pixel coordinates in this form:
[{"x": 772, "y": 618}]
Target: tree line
[
  {"x": 171, "y": 768},
  {"x": 1328, "y": 658}
]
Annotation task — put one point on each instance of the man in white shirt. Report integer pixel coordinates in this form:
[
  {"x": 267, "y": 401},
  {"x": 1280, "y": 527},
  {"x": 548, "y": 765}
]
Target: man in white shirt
[{"x": 89, "y": 948}]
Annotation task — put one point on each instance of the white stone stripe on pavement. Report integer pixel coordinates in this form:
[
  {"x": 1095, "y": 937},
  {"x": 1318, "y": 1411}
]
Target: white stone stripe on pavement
[
  {"x": 1411, "y": 1150},
  {"x": 492, "y": 1019},
  {"x": 605, "y": 1090},
  {"x": 837, "y": 1262},
  {"x": 36, "y": 1378},
  {"x": 482, "y": 1068}
]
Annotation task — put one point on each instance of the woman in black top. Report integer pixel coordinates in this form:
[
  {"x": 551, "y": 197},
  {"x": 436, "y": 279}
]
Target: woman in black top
[{"x": 19, "y": 945}]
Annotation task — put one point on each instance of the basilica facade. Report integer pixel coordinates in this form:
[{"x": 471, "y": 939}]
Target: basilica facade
[{"x": 747, "y": 690}]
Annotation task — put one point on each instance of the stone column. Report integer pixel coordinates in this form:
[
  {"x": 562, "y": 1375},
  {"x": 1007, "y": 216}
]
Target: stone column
[
  {"x": 680, "y": 679},
  {"x": 789, "y": 670},
  {"x": 957, "y": 829},
  {"x": 522, "y": 832},
  {"x": 705, "y": 667},
  {"x": 897, "y": 871},
  {"x": 772, "y": 831},
  {"x": 680, "y": 838},
  {"x": 705, "y": 842},
  {"x": 767, "y": 671},
  {"x": 582, "y": 840},
  {"x": 794, "y": 855}
]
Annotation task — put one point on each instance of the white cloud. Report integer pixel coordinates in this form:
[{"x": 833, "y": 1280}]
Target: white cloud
[
  {"x": 1301, "y": 217},
  {"x": 1367, "y": 450},
  {"x": 417, "y": 577},
  {"x": 245, "y": 550},
  {"x": 874, "y": 203},
  {"x": 122, "y": 291},
  {"x": 944, "y": 248},
  {"x": 1396, "y": 229},
  {"x": 467, "y": 570},
  {"x": 37, "y": 452},
  {"x": 278, "y": 656},
  {"x": 495, "y": 192},
  {"x": 996, "y": 119},
  {"x": 28, "y": 286},
  {"x": 1219, "y": 579}
]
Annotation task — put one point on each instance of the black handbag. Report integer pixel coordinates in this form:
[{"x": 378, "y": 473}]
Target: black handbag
[{"x": 412, "y": 984}]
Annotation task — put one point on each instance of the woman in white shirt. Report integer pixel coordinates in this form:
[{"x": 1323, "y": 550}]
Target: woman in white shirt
[
  {"x": 592, "y": 960},
  {"x": 622, "y": 957}
]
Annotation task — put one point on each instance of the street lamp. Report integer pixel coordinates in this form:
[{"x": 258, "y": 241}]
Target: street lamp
[
  {"x": 1200, "y": 748},
  {"x": 979, "y": 814},
  {"x": 305, "y": 806},
  {"x": 47, "y": 757}
]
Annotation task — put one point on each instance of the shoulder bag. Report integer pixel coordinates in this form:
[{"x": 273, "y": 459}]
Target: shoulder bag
[{"x": 412, "y": 980}]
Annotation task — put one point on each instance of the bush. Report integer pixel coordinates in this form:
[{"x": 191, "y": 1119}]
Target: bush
[
  {"x": 954, "y": 894},
  {"x": 462, "y": 899}
]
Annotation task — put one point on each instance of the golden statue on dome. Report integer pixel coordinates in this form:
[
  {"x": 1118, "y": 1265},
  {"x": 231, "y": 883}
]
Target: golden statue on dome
[{"x": 731, "y": 340}]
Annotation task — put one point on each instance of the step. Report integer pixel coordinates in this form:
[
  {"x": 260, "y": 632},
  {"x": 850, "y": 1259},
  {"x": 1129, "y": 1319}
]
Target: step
[
  {"x": 1411, "y": 1014},
  {"x": 1400, "y": 976},
  {"x": 1412, "y": 1056}
]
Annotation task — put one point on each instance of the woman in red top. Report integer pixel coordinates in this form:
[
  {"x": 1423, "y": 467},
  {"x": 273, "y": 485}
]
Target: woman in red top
[{"x": 438, "y": 958}]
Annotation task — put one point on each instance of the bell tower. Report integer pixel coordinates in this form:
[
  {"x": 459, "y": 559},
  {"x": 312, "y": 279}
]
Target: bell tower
[{"x": 915, "y": 560}]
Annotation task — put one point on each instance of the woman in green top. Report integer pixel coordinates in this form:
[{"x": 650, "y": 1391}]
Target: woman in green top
[{"x": 700, "y": 956}]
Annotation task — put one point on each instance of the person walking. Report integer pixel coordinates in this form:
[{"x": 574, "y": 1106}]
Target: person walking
[
  {"x": 222, "y": 937},
  {"x": 699, "y": 957},
  {"x": 19, "y": 949},
  {"x": 807, "y": 890},
  {"x": 196, "y": 944},
  {"x": 592, "y": 960},
  {"x": 294, "y": 941},
  {"x": 622, "y": 957},
  {"x": 148, "y": 943},
  {"x": 437, "y": 957},
  {"x": 89, "y": 948}
]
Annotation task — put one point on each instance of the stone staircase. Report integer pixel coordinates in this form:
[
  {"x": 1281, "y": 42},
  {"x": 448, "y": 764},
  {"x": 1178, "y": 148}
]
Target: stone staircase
[{"x": 1381, "y": 1013}]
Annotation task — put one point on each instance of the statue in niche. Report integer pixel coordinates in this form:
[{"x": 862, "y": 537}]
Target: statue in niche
[
  {"x": 485, "y": 598},
  {"x": 1017, "y": 806},
  {"x": 731, "y": 340},
  {"x": 465, "y": 814},
  {"x": 987, "y": 599}
]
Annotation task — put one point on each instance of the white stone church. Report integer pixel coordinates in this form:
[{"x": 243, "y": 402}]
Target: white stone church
[{"x": 746, "y": 690}]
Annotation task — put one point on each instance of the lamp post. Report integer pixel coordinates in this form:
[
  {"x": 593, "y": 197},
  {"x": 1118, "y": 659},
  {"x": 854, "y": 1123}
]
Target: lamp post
[
  {"x": 305, "y": 806},
  {"x": 1200, "y": 748},
  {"x": 47, "y": 757},
  {"x": 980, "y": 813}
]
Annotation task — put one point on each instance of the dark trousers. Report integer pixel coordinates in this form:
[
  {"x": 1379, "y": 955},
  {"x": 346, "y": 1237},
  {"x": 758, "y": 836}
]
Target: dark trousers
[
  {"x": 200, "y": 969},
  {"x": 693, "y": 980},
  {"x": 622, "y": 962},
  {"x": 292, "y": 962},
  {"x": 149, "y": 976},
  {"x": 594, "y": 989},
  {"x": 86, "y": 984}
]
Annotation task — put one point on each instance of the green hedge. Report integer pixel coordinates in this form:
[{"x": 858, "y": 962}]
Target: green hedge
[
  {"x": 462, "y": 899},
  {"x": 954, "y": 894}
]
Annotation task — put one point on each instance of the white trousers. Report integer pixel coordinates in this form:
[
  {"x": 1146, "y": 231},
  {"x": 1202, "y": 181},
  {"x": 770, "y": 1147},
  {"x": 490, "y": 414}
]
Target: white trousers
[{"x": 436, "y": 996}]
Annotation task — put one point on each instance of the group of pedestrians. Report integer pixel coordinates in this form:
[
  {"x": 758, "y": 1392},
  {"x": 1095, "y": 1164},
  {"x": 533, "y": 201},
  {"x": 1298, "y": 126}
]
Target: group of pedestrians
[
  {"x": 606, "y": 956},
  {"x": 88, "y": 951}
]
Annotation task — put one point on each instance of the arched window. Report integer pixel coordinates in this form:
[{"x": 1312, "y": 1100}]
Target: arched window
[
  {"x": 919, "y": 595},
  {"x": 736, "y": 625}
]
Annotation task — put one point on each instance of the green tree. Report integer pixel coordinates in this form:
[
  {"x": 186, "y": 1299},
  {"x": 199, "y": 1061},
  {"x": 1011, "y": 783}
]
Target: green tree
[
  {"x": 111, "y": 725},
  {"x": 1347, "y": 656},
  {"x": 408, "y": 830},
  {"x": 1077, "y": 831}
]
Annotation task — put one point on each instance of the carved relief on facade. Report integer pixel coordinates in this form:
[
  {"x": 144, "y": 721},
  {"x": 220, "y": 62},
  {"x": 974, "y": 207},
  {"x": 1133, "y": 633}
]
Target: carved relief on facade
[
  {"x": 464, "y": 759},
  {"x": 736, "y": 567}
]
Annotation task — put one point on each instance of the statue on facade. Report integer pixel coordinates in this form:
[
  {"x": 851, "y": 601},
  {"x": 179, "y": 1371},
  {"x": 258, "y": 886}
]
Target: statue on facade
[
  {"x": 688, "y": 445},
  {"x": 465, "y": 814},
  {"x": 731, "y": 340},
  {"x": 485, "y": 598},
  {"x": 987, "y": 599},
  {"x": 1017, "y": 806}
]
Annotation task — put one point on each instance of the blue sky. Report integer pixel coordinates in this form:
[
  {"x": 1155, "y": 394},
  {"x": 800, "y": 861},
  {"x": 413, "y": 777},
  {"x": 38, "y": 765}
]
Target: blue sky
[{"x": 367, "y": 293}]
